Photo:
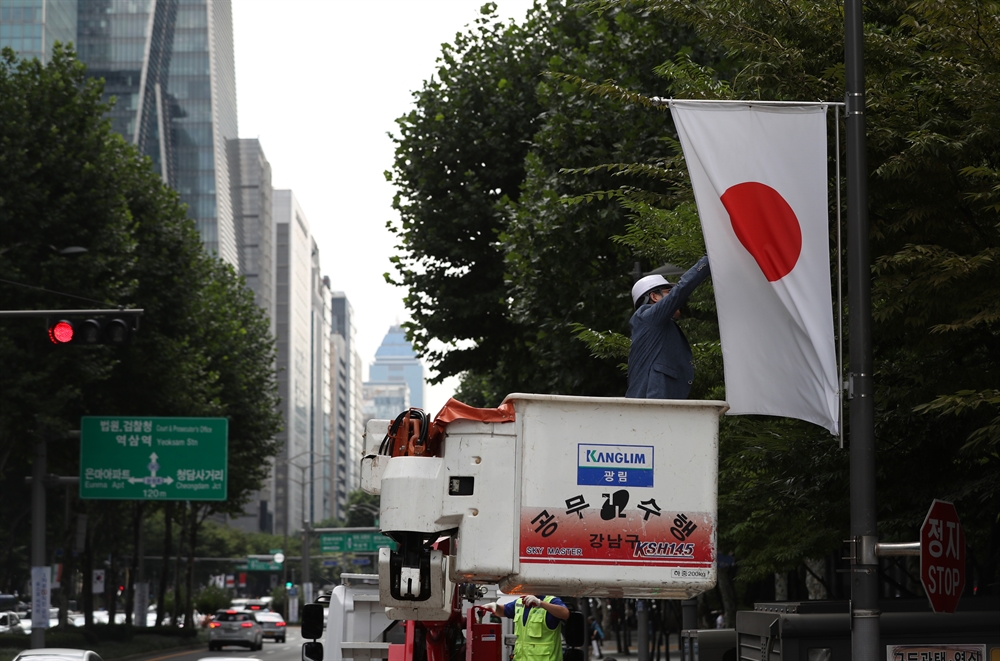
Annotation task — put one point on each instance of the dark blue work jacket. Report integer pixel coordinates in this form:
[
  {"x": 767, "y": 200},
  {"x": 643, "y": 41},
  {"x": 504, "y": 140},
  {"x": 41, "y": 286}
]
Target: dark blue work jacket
[{"x": 660, "y": 365}]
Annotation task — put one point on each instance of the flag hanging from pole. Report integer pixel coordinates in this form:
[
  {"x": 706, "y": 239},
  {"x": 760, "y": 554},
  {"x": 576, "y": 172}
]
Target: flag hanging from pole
[{"x": 759, "y": 178}]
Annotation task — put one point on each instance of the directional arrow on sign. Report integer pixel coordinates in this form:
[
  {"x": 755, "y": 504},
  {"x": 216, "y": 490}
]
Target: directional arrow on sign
[{"x": 152, "y": 479}]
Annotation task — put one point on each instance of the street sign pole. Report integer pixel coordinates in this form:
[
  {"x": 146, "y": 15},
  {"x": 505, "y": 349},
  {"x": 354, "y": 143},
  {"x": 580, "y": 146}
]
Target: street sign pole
[
  {"x": 864, "y": 529},
  {"x": 38, "y": 469},
  {"x": 306, "y": 541}
]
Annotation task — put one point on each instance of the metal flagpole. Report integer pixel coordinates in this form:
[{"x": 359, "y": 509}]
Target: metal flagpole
[{"x": 864, "y": 564}]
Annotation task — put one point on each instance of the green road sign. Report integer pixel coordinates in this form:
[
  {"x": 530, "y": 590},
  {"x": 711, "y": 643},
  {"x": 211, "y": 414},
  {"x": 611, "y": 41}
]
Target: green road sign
[
  {"x": 147, "y": 458},
  {"x": 255, "y": 564},
  {"x": 354, "y": 542}
]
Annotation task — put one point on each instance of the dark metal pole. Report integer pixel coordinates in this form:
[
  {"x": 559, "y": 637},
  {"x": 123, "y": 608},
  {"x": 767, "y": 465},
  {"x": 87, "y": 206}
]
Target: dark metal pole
[
  {"x": 306, "y": 578},
  {"x": 38, "y": 468},
  {"x": 864, "y": 530}
]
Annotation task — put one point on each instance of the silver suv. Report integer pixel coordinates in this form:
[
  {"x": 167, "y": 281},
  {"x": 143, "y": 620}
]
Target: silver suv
[{"x": 235, "y": 627}]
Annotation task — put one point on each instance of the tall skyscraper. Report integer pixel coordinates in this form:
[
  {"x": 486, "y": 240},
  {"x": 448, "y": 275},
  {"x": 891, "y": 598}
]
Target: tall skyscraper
[
  {"x": 170, "y": 64},
  {"x": 301, "y": 477},
  {"x": 395, "y": 361},
  {"x": 319, "y": 459},
  {"x": 293, "y": 317},
  {"x": 252, "y": 195},
  {"x": 252, "y": 213}
]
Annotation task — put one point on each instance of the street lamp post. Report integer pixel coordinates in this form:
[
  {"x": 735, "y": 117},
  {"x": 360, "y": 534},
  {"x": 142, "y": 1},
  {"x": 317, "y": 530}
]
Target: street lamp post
[{"x": 306, "y": 536}]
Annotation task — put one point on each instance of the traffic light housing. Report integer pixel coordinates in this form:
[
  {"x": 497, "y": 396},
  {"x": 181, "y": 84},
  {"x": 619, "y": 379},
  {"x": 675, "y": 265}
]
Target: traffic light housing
[{"x": 111, "y": 330}]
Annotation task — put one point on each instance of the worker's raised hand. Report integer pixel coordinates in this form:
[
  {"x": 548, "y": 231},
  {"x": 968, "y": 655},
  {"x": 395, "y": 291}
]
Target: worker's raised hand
[
  {"x": 531, "y": 600},
  {"x": 493, "y": 607}
]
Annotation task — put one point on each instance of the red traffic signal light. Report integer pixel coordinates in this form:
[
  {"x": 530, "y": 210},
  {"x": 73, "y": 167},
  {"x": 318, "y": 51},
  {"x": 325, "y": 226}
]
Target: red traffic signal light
[
  {"x": 98, "y": 330},
  {"x": 61, "y": 332}
]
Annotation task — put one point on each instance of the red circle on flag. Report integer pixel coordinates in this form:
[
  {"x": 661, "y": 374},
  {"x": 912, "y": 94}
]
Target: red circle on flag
[{"x": 766, "y": 226}]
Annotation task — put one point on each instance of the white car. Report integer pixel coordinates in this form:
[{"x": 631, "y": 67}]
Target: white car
[
  {"x": 11, "y": 623},
  {"x": 235, "y": 627},
  {"x": 274, "y": 625},
  {"x": 57, "y": 654}
]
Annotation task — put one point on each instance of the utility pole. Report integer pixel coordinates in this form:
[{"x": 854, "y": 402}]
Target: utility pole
[
  {"x": 864, "y": 525},
  {"x": 38, "y": 468},
  {"x": 306, "y": 541}
]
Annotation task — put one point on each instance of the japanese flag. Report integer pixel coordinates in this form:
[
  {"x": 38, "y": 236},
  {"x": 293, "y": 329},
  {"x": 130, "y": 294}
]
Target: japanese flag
[{"x": 759, "y": 179}]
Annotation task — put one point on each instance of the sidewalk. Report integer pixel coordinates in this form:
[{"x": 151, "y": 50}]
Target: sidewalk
[{"x": 611, "y": 653}]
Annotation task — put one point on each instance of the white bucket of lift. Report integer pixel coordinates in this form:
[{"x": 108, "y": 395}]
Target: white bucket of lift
[
  {"x": 618, "y": 496},
  {"x": 578, "y": 496},
  {"x": 589, "y": 496}
]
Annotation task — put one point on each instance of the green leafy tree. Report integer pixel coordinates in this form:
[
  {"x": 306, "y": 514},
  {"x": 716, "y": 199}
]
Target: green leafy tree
[
  {"x": 203, "y": 348},
  {"x": 459, "y": 159},
  {"x": 932, "y": 152},
  {"x": 479, "y": 169}
]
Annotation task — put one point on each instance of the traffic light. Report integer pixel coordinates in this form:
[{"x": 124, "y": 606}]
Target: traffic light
[
  {"x": 112, "y": 330},
  {"x": 288, "y": 585}
]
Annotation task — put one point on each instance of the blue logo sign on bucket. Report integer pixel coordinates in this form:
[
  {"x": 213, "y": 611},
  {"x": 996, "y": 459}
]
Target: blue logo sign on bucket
[{"x": 623, "y": 465}]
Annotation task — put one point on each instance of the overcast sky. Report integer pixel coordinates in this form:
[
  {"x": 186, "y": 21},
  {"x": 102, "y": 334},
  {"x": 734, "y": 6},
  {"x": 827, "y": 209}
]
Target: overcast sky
[{"x": 320, "y": 84}]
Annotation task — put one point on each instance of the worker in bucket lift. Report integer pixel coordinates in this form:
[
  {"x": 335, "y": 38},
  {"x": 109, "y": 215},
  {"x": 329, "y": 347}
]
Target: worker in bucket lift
[
  {"x": 537, "y": 625},
  {"x": 660, "y": 364}
]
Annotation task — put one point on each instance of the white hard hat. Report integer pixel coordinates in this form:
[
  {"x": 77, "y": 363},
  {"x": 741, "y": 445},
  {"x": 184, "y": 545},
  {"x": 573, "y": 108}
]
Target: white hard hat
[{"x": 647, "y": 284}]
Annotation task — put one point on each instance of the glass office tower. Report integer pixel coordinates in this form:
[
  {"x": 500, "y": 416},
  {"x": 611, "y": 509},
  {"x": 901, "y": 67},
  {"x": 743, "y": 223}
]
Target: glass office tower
[
  {"x": 396, "y": 361},
  {"x": 30, "y": 27},
  {"x": 170, "y": 64}
]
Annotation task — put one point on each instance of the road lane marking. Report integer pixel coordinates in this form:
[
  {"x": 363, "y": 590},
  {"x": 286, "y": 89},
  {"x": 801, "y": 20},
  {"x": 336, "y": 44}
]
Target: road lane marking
[{"x": 170, "y": 656}]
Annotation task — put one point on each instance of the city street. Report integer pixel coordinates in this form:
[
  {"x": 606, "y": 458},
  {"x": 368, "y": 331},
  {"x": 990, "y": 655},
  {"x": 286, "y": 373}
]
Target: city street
[{"x": 287, "y": 651}]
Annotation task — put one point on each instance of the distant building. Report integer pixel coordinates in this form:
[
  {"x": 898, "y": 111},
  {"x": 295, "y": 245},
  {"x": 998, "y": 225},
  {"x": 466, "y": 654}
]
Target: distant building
[
  {"x": 252, "y": 214},
  {"x": 395, "y": 362},
  {"x": 346, "y": 424},
  {"x": 385, "y": 401}
]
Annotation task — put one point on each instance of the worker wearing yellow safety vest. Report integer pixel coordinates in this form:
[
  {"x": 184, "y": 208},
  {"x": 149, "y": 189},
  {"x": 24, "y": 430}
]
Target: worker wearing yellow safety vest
[{"x": 537, "y": 625}]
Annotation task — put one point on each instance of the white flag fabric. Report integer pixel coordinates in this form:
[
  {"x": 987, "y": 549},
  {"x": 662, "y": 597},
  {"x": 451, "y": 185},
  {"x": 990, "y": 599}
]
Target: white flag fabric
[{"x": 759, "y": 179}]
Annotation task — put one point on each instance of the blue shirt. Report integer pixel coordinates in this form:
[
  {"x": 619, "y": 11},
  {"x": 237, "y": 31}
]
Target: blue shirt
[
  {"x": 660, "y": 364},
  {"x": 551, "y": 621}
]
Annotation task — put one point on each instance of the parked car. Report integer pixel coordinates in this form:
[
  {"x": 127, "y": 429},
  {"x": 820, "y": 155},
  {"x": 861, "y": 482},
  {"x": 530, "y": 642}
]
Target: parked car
[
  {"x": 57, "y": 654},
  {"x": 274, "y": 625},
  {"x": 10, "y": 622},
  {"x": 235, "y": 627}
]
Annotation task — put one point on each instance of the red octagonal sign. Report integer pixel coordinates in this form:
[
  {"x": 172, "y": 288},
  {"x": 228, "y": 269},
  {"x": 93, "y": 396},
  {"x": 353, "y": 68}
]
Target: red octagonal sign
[{"x": 942, "y": 557}]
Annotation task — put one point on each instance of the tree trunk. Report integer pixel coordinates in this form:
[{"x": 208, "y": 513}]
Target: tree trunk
[
  {"x": 111, "y": 588},
  {"x": 189, "y": 578},
  {"x": 130, "y": 587},
  {"x": 175, "y": 615},
  {"x": 161, "y": 596},
  {"x": 88, "y": 578}
]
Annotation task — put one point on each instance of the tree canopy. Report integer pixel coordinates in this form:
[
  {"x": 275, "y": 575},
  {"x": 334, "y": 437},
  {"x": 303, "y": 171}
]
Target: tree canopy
[
  {"x": 595, "y": 181},
  {"x": 203, "y": 346}
]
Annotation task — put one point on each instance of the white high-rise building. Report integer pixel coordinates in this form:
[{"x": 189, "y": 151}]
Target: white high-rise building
[
  {"x": 302, "y": 322},
  {"x": 347, "y": 426}
]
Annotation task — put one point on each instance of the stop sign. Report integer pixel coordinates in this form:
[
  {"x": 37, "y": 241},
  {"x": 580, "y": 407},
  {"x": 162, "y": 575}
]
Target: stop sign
[{"x": 942, "y": 557}]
